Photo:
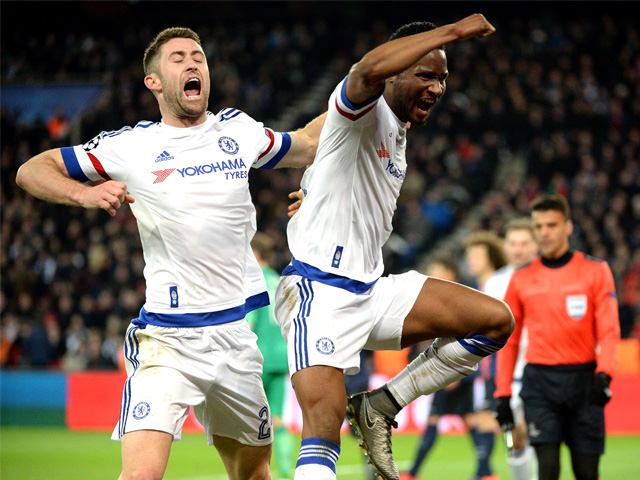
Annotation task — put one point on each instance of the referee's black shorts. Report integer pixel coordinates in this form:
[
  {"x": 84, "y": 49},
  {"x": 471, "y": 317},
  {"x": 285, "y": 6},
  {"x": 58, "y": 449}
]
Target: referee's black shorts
[{"x": 557, "y": 407}]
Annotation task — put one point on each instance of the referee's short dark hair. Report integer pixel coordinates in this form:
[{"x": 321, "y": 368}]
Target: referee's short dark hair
[{"x": 547, "y": 202}]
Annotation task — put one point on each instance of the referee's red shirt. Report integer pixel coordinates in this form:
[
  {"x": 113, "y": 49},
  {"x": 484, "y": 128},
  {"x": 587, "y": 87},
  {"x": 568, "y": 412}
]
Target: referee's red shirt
[{"x": 571, "y": 314}]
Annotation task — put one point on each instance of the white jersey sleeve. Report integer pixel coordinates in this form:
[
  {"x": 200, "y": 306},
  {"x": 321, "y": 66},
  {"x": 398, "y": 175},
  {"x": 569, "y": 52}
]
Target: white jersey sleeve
[
  {"x": 344, "y": 113},
  {"x": 496, "y": 286}
]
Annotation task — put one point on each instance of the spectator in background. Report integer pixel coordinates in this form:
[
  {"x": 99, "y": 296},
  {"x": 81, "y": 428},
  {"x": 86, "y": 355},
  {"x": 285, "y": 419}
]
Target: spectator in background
[
  {"x": 58, "y": 125},
  {"x": 275, "y": 369},
  {"x": 485, "y": 255},
  {"x": 567, "y": 302},
  {"x": 520, "y": 248}
]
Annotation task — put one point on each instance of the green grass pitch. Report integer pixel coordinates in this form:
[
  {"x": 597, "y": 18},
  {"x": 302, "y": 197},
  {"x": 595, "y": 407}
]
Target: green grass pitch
[{"x": 51, "y": 453}]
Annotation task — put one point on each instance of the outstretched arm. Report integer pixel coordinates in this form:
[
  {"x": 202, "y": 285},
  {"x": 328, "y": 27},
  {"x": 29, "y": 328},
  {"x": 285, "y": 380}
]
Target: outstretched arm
[
  {"x": 304, "y": 143},
  {"x": 45, "y": 176},
  {"x": 367, "y": 77}
]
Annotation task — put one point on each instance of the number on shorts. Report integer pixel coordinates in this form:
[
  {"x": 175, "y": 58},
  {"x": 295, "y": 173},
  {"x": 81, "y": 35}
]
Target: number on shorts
[{"x": 265, "y": 430}]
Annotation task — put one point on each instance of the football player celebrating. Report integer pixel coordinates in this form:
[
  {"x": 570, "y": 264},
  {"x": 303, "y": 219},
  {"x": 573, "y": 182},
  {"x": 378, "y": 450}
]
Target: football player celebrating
[
  {"x": 186, "y": 179},
  {"x": 332, "y": 299}
]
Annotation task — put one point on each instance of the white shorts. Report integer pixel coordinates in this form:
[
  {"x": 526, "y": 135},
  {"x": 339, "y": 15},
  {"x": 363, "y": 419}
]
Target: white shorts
[
  {"x": 216, "y": 369},
  {"x": 326, "y": 325}
]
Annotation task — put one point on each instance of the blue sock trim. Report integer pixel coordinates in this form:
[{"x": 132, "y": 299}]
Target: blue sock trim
[
  {"x": 480, "y": 345},
  {"x": 319, "y": 451}
]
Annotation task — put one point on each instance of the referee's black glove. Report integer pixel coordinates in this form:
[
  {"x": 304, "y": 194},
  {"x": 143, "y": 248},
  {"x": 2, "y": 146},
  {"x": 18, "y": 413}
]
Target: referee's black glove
[
  {"x": 504, "y": 415},
  {"x": 600, "y": 393}
]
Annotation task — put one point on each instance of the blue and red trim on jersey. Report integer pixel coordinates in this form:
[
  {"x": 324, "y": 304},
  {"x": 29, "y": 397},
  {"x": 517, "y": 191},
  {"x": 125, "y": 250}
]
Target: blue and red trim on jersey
[
  {"x": 284, "y": 149},
  {"x": 347, "y": 103},
  {"x": 73, "y": 165}
]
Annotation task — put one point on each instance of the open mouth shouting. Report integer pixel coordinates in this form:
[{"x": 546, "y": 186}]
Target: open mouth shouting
[
  {"x": 424, "y": 106},
  {"x": 192, "y": 87}
]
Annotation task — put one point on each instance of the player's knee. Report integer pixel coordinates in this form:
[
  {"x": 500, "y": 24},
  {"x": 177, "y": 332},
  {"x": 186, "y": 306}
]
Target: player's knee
[
  {"x": 258, "y": 471},
  {"x": 503, "y": 323},
  {"x": 324, "y": 422}
]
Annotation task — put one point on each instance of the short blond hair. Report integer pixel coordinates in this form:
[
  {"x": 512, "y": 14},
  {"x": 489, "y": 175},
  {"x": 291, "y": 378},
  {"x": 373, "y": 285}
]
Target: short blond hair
[
  {"x": 522, "y": 223},
  {"x": 151, "y": 53}
]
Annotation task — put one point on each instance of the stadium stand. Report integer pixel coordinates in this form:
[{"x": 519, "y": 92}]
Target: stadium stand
[{"x": 550, "y": 103}]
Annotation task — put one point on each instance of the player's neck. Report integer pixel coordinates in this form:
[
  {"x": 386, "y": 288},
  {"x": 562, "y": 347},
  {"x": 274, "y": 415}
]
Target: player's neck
[{"x": 184, "y": 122}]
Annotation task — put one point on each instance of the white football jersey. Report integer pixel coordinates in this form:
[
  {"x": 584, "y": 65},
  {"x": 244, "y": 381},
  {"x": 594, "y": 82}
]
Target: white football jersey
[
  {"x": 496, "y": 286},
  {"x": 193, "y": 208},
  {"x": 350, "y": 194}
]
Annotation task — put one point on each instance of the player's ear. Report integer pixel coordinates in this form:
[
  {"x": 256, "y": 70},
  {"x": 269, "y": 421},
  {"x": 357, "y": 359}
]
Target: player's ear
[
  {"x": 569, "y": 227},
  {"x": 153, "y": 83},
  {"x": 391, "y": 79}
]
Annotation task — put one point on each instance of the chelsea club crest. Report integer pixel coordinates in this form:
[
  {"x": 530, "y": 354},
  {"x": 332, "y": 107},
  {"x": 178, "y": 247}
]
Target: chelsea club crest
[
  {"x": 325, "y": 346},
  {"x": 228, "y": 145},
  {"x": 141, "y": 410}
]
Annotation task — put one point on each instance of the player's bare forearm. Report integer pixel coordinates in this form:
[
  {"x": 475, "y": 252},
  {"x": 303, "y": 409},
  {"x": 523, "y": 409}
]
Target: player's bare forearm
[
  {"x": 45, "y": 177},
  {"x": 304, "y": 144},
  {"x": 367, "y": 76}
]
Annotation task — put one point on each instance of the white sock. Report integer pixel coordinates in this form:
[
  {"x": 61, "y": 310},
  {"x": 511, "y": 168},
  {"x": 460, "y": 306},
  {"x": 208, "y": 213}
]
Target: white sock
[
  {"x": 317, "y": 459},
  {"x": 314, "y": 472},
  {"x": 445, "y": 361},
  {"x": 520, "y": 463}
]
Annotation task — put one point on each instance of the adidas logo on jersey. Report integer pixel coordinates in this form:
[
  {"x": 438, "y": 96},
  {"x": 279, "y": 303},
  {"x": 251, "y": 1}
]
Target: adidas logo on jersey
[{"x": 164, "y": 156}]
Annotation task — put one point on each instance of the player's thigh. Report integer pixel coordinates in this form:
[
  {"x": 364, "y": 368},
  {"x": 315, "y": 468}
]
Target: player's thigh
[
  {"x": 163, "y": 363},
  {"x": 444, "y": 309},
  {"x": 145, "y": 454},
  {"x": 323, "y": 325},
  {"x": 243, "y": 462},
  {"x": 393, "y": 298},
  {"x": 236, "y": 405}
]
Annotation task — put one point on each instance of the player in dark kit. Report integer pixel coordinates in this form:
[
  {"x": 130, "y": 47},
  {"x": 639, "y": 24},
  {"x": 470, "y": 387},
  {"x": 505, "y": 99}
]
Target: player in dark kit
[{"x": 567, "y": 301}]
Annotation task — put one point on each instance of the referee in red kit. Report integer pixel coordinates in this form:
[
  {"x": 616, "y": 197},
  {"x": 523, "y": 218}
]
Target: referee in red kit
[{"x": 567, "y": 302}]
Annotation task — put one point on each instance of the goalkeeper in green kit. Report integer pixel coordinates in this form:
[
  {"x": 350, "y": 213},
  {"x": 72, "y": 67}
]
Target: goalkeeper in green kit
[{"x": 274, "y": 350}]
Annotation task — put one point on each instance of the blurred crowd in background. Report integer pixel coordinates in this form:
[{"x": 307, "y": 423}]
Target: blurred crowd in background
[{"x": 550, "y": 103}]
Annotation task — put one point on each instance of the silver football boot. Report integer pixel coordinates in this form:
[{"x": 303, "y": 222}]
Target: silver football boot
[{"x": 375, "y": 434}]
